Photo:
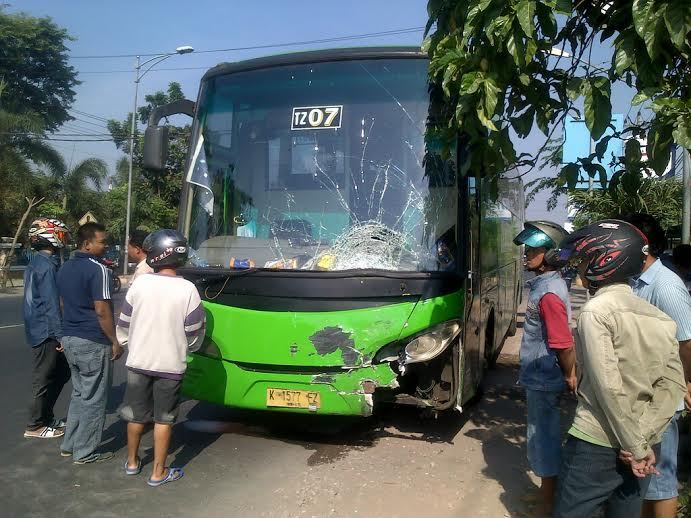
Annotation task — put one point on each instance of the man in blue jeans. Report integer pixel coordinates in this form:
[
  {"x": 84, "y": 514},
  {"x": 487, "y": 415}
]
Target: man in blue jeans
[
  {"x": 547, "y": 355},
  {"x": 90, "y": 343},
  {"x": 666, "y": 291},
  {"x": 630, "y": 378}
]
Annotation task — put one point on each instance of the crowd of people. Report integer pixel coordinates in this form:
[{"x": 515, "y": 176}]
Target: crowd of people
[
  {"x": 70, "y": 326},
  {"x": 629, "y": 363},
  {"x": 631, "y": 377}
]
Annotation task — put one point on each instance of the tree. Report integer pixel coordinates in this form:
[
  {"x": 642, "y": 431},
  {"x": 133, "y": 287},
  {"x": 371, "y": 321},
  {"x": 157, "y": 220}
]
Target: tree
[
  {"x": 491, "y": 61},
  {"x": 6, "y": 259},
  {"x": 155, "y": 195},
  {"x": 20, "y": 150},
  {"x": 71, "y": 184},
  {"x": 659, "y": 198},
  {"x": 149, "y": 210},
  {"x": 34, "y": 66}
]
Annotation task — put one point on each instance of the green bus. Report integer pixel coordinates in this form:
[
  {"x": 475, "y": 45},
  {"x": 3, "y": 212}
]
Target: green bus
[{"x": 341, "y": 263}]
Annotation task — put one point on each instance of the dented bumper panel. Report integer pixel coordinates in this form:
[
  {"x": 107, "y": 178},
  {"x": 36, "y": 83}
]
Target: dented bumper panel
[
  {"x": 349, "y": 392},
  {"x": 326, "y": 353}
]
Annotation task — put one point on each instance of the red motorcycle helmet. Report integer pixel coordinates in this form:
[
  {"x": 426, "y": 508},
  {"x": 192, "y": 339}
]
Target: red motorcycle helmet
[{"x": 614, "y": 251}]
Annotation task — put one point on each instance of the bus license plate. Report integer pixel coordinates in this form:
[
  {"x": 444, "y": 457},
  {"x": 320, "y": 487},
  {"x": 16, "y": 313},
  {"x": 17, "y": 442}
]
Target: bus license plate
[{"x": 293, "y": 398}]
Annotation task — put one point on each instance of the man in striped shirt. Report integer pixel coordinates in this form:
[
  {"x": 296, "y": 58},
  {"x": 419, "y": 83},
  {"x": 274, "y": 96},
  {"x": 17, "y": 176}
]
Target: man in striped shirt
[
  {"x": 665, "y": 290},
  {"x": 161, "y": 320},
  {"x": 84, "y": 285}
]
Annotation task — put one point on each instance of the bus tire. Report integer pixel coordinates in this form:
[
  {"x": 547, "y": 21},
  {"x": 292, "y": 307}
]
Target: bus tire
[
  {"x": 491, "y": 356},
  {"x": 513, "y": 326}
]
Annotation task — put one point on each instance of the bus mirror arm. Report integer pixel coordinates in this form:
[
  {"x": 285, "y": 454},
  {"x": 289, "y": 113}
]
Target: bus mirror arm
[
  {"x": 156, "y": 137},
  {"x": 183, "y": 106}
]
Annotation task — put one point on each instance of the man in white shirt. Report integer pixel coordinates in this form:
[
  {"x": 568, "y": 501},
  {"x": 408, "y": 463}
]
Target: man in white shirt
[
  {"x": 135, "y": 251},
  {"x": 162, "y": 319}
]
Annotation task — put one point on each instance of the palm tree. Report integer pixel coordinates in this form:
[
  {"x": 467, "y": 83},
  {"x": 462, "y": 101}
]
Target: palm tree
[
  {"x": 21, "y": 147},
  {"x": 72, "y": 184}
]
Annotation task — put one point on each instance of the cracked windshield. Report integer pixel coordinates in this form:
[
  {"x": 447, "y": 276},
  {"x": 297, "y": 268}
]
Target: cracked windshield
[{"x": 326, "y": 174}]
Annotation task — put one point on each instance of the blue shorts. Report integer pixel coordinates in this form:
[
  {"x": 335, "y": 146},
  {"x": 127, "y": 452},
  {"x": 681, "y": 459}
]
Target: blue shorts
[
  {"x": 544, "y": 432},
  {"x": 664, "y": 485}
]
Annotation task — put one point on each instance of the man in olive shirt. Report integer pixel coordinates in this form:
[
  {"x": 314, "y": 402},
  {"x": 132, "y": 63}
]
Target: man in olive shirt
[{"x": 629, "y": 378}]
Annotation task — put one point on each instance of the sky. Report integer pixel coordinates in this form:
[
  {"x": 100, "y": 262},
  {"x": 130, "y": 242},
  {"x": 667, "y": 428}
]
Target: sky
[{"x": 157, "y": 26}]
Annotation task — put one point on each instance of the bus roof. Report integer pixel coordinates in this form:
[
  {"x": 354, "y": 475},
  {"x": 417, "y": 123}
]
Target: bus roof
[{"x": 315, "y": 56}]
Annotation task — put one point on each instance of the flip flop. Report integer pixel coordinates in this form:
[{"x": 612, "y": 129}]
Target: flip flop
[
  {"x": 173, "y": 475},
  {"x": 135, "y": 471}
]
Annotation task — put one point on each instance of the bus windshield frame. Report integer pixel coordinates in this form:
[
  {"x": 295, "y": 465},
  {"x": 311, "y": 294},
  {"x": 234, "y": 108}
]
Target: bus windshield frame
[{"x": 320, "y": 166}]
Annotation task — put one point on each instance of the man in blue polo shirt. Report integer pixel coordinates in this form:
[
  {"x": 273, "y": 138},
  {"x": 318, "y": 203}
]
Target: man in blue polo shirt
[
  {"x": 664, "y": 289},
  {"x": 90, "y": 344}
]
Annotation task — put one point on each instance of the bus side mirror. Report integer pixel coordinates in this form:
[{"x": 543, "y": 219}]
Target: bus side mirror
[{"x": 156, "y": 148}]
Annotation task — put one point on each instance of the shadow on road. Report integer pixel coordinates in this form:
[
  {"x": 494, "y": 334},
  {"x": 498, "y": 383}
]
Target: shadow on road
[
  {"x": 329, "y": 437},
  {"x": 500, "y": 426}
]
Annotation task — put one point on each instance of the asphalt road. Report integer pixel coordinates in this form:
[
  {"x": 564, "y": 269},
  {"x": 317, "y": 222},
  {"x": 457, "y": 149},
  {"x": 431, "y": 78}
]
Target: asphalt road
[{"x": 262, "y": 464}]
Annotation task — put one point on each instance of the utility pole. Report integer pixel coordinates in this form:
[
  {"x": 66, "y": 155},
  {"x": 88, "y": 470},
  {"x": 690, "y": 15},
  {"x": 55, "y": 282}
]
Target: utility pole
[
  {"x": 138, "y": 74},
  {"x": 686, "y": 205}
]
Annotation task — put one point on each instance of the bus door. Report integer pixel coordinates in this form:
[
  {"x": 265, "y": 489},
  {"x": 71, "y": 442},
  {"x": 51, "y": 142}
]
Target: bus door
[{"x": 472, "y": 334}]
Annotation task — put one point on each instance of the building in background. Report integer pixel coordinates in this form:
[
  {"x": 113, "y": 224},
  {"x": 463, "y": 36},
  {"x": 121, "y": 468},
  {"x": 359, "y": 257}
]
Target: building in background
[{"x": 578, "y": 144}]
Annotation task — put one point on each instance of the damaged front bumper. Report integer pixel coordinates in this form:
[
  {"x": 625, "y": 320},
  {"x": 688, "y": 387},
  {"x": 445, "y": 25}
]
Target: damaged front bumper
[{"x": 342, "y": 392}]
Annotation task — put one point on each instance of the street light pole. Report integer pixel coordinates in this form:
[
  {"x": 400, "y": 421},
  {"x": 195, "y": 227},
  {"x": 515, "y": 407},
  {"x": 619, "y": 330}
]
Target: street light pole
[
  {"x": 129, "y": 173},
  {"x": 186, "y": 49}
]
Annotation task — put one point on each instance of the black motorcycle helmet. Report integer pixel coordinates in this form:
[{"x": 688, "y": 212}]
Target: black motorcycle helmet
[
  {"x": 614, "y": 250},
  {"x": 165, "y": 248}
]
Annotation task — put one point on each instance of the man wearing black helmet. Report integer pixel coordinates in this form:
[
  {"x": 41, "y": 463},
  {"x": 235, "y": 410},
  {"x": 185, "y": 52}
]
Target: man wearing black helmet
[
  {"x": 629, "y": 378},
  {"x": 161, "y": 319},
  {"x": 547, "y": 356}
]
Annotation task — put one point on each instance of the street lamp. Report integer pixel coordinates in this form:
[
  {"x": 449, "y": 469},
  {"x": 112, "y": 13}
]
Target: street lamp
[{"x": 138, "y": 74}]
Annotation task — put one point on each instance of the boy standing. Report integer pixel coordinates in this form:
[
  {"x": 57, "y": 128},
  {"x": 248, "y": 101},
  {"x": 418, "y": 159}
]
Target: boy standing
[
  {"x": 629, "y": 382},
  {"x": 547, "y": 354},
  {"x": 162, "y": 318},
  {"x": 43, "y": 327}
]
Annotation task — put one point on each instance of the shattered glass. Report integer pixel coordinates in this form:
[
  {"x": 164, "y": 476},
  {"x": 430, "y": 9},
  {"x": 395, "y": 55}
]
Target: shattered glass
[{"x": 265, "y": 194}]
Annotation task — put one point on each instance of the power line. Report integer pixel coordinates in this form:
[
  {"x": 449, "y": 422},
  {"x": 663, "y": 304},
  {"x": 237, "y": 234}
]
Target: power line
[
  {"x": 60, "y": 135},
  {"x": 153, "y": 70},
  {"x": 88, "y": 131},
  {"x": 90, "y": 115},
  {"x": 100, "y": 126},
  {"x": 391, "y": 32}
]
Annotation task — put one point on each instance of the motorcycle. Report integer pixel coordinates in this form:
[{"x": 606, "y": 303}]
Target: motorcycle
[{"x": 112, "y": 265}]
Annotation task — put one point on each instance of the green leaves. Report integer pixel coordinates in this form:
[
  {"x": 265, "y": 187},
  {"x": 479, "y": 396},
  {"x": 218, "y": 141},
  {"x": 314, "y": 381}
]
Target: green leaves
[
  {"x": 682, "y": 132},
  {"x": 650, "y": 25},
  {"x": 659, "y": 146},
  {"x": 596, "y": 170},
  {"x": 677, "y": 17},
  {"x": 490, "y": 97},
  {"x": 489, "y": 61},
  {"x": 632, "y": 151},
  {"x": 569, "y": 175},
  {"x": 548, "y": 23},
  {"x": 601, "y": 147},
  {"x": 598, "y": 108},
  {"x": 574, "y": 87},
  {"x": 525, "y": 12},
  {"x": 523, "y": 123},
  {"x": 623, "y": 56}
]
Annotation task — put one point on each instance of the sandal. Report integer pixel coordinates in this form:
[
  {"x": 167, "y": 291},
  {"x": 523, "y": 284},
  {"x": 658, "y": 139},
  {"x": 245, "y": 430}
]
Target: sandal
[
  {"x": 135, "y": 471},
  {"x": 173, "y": 475}
]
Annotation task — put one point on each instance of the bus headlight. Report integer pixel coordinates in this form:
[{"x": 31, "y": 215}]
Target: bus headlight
[{"x": 432, "y": 342}]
